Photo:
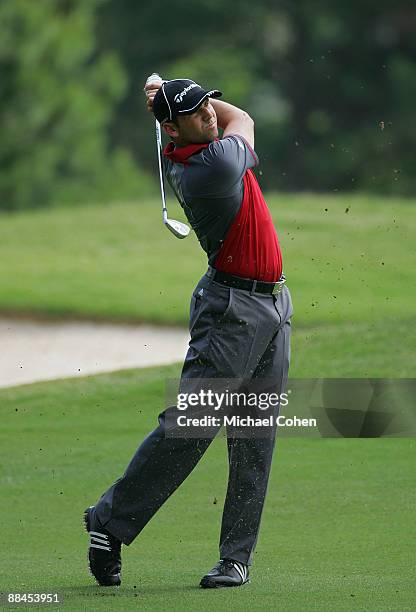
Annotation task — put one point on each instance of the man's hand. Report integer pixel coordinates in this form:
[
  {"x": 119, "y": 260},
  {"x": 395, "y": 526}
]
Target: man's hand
[{"x": 153, "y": 83}]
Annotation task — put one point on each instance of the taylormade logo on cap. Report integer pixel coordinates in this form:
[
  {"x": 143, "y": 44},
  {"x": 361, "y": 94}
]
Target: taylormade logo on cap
[{"x": 180, "y": 96}]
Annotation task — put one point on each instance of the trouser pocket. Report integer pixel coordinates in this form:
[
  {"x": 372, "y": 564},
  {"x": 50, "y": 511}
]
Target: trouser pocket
[
  {"x": 283, "y": 305},
  {"x": 215, "y": 301}
]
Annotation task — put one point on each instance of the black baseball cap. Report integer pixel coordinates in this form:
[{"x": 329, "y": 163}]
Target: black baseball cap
[{"x": 180, "y": 97}]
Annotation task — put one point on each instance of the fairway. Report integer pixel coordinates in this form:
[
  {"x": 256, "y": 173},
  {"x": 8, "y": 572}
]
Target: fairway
[
  {"x": 349, "y": 261},
  {"x": 347, "y": 258},
  {"x": 335, "y": 532}
]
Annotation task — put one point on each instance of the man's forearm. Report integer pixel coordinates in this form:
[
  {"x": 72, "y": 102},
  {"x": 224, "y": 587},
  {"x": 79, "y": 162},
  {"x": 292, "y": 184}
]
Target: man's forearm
[
  {"x": 233, "y": 120},
  {"x": 226, "y": 113}
]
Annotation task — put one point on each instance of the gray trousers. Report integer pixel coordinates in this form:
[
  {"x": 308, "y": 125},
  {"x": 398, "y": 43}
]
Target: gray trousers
[{"x": 235, "y": 334}]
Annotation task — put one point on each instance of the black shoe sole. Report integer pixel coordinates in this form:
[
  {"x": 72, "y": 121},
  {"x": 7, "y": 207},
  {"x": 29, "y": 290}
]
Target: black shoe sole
[
  {"x": 113, "y": 580},
  {"x": 206, "y": 583},
  {"x": 87, "y": 520}
]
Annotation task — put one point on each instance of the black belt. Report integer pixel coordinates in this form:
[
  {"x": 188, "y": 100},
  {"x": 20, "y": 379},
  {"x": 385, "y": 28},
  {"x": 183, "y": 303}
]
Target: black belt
[{"x": 246, "y": 283}]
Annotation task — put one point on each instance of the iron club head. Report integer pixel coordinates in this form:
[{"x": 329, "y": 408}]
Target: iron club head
[{"x": 178, "y": 229}]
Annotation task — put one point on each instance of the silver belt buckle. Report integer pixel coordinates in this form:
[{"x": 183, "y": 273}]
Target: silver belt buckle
[{"x": 278, "y": 286}]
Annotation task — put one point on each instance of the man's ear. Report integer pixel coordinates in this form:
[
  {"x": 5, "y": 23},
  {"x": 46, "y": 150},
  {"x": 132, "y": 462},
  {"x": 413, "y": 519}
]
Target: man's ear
[{"x": 171, "y": 129}]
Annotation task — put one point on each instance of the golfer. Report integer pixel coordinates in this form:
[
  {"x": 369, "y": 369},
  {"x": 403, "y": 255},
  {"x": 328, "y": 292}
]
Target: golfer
[{"x": 239, "y": 326}]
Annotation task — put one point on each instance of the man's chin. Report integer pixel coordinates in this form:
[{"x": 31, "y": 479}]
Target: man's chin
[
  {"x": 209, "y": 136},
  {"x": 212, "y": 135}
]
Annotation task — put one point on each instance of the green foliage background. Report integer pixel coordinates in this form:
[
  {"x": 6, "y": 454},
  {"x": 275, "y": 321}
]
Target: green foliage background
[
  {"x": 330, "y": 84},
  {"x": 58, "y": 94}
]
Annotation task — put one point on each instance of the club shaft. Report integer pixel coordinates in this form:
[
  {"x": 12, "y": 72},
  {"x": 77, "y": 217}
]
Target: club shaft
[
  {"x": 180, "y": 230},
  {"x": 159, "y": 158}
]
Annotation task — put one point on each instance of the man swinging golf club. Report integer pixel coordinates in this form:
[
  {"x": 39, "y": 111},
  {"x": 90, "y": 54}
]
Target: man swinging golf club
[{"x": 239, "y": 325}]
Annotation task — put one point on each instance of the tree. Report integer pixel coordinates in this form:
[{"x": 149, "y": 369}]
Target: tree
[
  {"x": 330, "y": 83},
  {"x": 56, "y": 101}
]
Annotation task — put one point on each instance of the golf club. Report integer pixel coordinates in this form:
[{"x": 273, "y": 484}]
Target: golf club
[{"x": 178, "y": 229}]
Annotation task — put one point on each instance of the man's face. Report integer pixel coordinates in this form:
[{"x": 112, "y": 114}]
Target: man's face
[{"x": 200, "y": 127}]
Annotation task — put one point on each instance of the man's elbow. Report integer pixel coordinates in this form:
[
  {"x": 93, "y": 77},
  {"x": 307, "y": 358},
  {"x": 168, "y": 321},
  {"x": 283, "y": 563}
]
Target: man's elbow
[
  {"x": 248, "y": 120},
  {"x": 247, "y": 128}
]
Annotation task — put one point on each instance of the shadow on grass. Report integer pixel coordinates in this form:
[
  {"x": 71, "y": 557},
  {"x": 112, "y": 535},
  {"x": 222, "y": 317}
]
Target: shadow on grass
[{"x": 127, "y": 591}]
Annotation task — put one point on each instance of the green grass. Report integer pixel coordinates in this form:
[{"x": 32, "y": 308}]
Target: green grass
[
  {"x": 117, "y": 262},
  {"x": 336, "y": 532},
  {"x": 350, "y": 274},
  {"x": 379, "y": 349}
]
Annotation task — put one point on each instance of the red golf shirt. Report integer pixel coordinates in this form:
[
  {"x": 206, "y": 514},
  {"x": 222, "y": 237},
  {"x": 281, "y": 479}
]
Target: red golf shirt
[{"x": 225, "y": 206}]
